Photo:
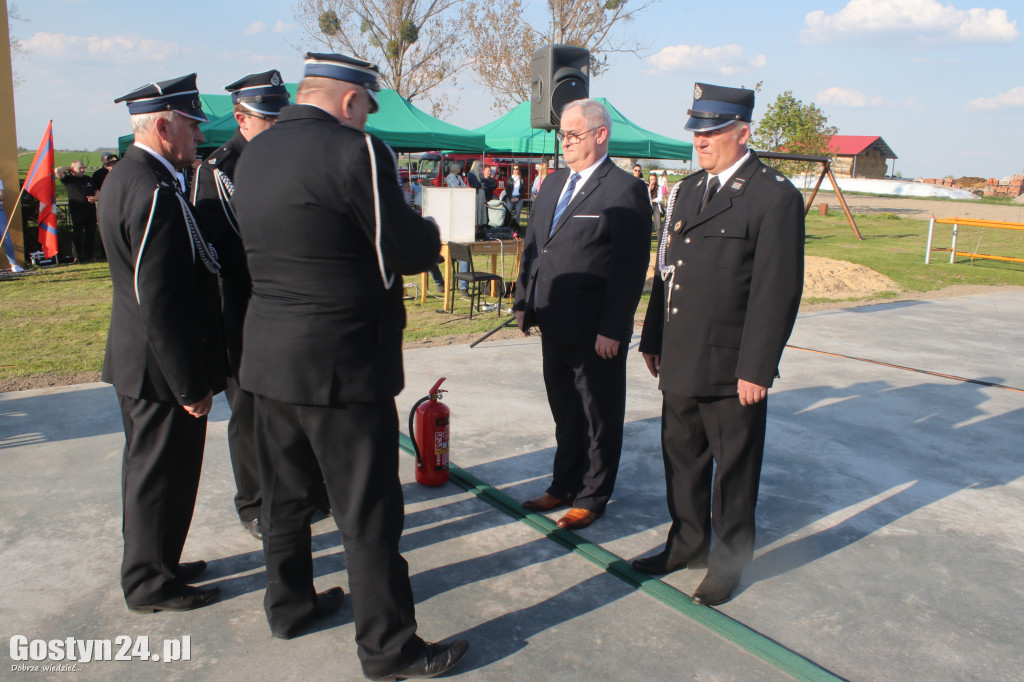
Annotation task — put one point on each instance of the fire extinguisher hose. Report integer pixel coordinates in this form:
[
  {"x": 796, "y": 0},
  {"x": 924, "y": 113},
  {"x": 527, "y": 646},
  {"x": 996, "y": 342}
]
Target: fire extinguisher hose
[{"x": 412, "y": 433}]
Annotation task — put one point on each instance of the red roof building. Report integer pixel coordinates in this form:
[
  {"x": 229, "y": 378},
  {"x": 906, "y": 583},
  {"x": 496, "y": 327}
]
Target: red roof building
[{"x": 861, "y": 156}]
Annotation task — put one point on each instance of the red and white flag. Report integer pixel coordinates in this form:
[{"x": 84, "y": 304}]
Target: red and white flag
[{"x": 41, "y": 184}]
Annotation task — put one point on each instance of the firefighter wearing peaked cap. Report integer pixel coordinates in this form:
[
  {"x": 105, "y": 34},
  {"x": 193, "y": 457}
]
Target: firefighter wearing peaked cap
[
  {"x": 165, "y": 353},
  {"x": 729, "y": 281},
  {"x": 258, "y": 99},
  {"x": 323, "y": 357}
]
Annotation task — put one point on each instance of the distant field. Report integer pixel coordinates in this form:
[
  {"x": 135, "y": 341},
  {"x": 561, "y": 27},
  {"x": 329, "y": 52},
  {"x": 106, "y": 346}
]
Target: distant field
[{"x": 92, "y": 160}]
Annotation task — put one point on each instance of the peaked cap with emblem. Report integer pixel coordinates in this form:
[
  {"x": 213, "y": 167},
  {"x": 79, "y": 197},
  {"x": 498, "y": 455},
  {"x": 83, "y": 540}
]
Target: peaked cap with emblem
[
  {"x": 716, "y": 106},
  {"x": 263, "y": 93},
  {"x": 177, "y": 94},
  {"x": 342, "y": 67}
]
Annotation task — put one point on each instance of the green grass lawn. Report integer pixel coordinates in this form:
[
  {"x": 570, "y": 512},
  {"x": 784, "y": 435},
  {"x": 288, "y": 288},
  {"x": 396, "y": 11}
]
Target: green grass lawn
[{"x": 54, "y": 321}]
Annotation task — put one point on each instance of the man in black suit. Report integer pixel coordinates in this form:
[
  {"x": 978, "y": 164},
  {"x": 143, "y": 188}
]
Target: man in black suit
[
  {"x": 165, "y": 353},
  {"x": 323, "y": 357},
  {"x": 730, "y": 276},
  {"x": 258, "y": 99},
  {"x": 586, "y": 254}
]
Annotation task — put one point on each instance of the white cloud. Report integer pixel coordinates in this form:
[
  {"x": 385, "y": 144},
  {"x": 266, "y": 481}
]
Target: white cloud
[
  {"x": 282, "y": 27},
  {"x": 926, "y": 22},
  {"x": 120, "y": 49},
  {"x": 843, "y": 97},
  {"x": 255, "y": 28},
  {"x": 726, "y": 60},
  {"x": 1010, "y": 98}
]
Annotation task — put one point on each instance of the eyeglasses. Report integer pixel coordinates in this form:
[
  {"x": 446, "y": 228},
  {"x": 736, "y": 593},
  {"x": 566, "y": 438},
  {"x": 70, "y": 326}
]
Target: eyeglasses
[
  {"x": 573, "y": 138},
  {"x": 262, "y": 117}
]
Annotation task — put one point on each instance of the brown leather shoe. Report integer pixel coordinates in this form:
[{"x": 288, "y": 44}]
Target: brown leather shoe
[
  {"x": 577, "y": 518},
  {"x": 543, "y": 503}
]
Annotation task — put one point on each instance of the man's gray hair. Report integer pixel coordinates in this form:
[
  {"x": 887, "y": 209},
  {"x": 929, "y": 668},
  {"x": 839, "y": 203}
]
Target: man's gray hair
[
  {"x": 594, "y": 113},
  {"x": 143, "y": 123}
]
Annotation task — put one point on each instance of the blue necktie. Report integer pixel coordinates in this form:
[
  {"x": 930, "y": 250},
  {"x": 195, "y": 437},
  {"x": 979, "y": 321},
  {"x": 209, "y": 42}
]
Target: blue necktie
[{"x": 564, "y": 201}]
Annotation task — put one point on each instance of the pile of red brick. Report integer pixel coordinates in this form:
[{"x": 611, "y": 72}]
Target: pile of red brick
[{"x": 1012, "y": 187}]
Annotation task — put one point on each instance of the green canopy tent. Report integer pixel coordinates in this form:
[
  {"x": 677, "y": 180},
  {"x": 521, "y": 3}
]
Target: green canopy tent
[
  {"x": 398, "y": 122},
  {"x": 512, "y": 134}
]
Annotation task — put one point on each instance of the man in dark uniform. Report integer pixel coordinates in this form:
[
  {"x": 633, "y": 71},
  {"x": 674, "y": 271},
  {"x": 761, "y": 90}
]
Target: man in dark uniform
[
  {"x": 587, "y": 250},
  {"x": 730, "y": 263},
  {"x": 323, "y": 356},
  {"x": 258, "y": 99},
  {"x": 82, "y": 206},
  {"x": 165, "y": 352}
]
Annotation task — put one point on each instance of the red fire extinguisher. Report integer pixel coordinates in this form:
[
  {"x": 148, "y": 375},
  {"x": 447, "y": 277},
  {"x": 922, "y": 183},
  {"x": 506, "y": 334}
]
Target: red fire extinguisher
[{"x": 430, "y": 437}]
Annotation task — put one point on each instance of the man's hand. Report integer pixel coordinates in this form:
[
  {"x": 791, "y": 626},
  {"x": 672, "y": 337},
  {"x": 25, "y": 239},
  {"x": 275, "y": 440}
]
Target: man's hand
[
  {"x": 606, "y": 348},
  {"x": 520, "y": 315},
  {"x": 653, "y": 363},
  {"x": 750, "y": 393},
  {"x": 202, "y": 408}
]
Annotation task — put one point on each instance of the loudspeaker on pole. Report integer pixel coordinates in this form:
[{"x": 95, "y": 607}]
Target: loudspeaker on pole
[{"x": 559, "y": 74}]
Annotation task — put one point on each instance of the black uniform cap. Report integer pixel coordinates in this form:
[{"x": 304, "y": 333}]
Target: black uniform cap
[
  {"x": 342, "y": 67},
  {"x": 263, "y": 93},
  {"x": 716, "y": 106},
  {"x": 177, "y": 94}
]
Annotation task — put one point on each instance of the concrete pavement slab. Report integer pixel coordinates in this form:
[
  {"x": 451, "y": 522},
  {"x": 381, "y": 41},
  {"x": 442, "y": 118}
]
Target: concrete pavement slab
[{"x": 889, "y": 521}]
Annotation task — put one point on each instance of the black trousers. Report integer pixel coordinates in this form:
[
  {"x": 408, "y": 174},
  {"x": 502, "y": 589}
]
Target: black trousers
[
  {"x": 712, "y": 448},
  {"x": 83, "y": 234},
  {"x": 242, "y": 449},
  {"x": 587, "y": 396},
  {"x": 163, "y": 458},
  {"x": 355, "y": 446}
]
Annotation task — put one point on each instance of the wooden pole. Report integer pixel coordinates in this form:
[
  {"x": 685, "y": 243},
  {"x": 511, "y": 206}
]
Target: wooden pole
[
  {"x": 9, "y": 141},
  {"x": 842, "y": 201}
]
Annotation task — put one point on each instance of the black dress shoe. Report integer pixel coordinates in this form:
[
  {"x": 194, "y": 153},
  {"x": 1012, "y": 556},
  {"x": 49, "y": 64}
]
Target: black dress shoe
[
  {"x": 326, "y": 603},
  {"x": 715, "y": 590},
  {"x": 189, "y": 598},
  {"x": 435, "y": 660},
  {"x": 253, "y": 526},
  {"x": 660, "y": 564},
  {"x": 190, "y": 570}
]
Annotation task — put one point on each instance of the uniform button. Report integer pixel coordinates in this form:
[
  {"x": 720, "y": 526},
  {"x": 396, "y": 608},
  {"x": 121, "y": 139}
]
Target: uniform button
[
  {"x": 686, "y": 241},
  {"x": 676, "y": 287},
  {"x": 543, "y": 250},
  {"x": 723, "y": 230},
  {"x": 675, "y": 310},
  {"x": 679, "y": 262}
]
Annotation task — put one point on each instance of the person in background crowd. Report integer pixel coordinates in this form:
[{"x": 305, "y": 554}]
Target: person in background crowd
[
  {"x": 101, "y": 173},
  {"x": 82, "y": 205},
  {"x": 638, "y": 171},
  {"x": 454, "y": 177},
  {"x": 515, "y": 193},
  {"x": 655, "y": 194},
  {"x": 542, "y": 172}
]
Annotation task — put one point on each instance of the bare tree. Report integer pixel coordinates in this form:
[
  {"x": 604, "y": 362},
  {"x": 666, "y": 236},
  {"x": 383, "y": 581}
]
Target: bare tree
[
  {"x": 418, "y": 44},
  {"x": 17, "y": 47},
  {"x": 506, "y": 42}
]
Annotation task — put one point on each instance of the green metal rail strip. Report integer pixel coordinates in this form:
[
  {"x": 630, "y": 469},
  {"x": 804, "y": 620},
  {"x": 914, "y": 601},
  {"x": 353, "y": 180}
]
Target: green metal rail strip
[{"x": 763, "y": 647}]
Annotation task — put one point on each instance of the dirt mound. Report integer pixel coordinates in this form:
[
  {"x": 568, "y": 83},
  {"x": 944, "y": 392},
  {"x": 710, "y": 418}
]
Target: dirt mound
[{"x": 839, "y": 279}]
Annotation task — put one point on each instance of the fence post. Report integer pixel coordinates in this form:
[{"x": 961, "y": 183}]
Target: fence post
[
  {"x": 928, "y": 249},
  {"x": 952, "y": 248}
]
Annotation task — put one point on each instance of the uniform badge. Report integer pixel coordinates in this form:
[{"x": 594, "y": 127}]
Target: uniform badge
[
  {"x": 697, "y": 92},
  {"x": 678, "y": 226},
  {"x": 275, "y": 80},
  {"x": 779, "y": 178},
  {"x": 737, "y": 184}
]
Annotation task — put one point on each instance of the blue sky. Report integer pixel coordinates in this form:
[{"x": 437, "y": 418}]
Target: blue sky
[{"x": 940, "y": 80}]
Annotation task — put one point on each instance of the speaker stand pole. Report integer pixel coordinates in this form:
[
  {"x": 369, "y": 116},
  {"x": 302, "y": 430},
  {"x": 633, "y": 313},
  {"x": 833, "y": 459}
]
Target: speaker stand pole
[{"x": 510, "y": 322}]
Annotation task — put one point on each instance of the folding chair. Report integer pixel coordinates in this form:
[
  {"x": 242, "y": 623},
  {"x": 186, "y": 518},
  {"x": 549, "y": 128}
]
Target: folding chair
[{"x": 474, "y": 280}]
